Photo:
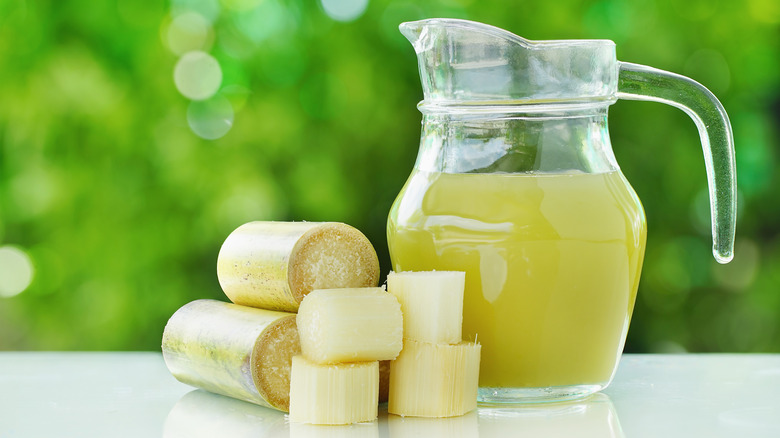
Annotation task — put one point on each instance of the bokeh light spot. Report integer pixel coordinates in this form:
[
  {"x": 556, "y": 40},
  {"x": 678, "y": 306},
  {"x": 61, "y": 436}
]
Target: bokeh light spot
[
  {"x": 210, "y": 119},
  {"x": 344, "y": 10},
  {"x": 189, "y": 31},
  {"x": 33, "y": 191},
  {"x": 207, "y": 8},
  {"x": 197, "y": 75},
  {"x": 16, "y": 271},
  {"x": 264, "y": 21}
]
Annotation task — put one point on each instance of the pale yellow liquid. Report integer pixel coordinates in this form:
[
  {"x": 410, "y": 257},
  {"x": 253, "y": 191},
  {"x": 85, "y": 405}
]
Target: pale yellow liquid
[{"x": 552, "y": 266}]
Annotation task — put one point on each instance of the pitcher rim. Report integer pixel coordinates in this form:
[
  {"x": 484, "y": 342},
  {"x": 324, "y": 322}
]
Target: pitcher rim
[{"x": 497, "y": 31}]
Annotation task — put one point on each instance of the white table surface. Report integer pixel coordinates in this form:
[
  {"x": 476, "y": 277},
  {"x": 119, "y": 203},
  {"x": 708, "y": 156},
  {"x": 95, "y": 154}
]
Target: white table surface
[{"x": 132, "y": 395}]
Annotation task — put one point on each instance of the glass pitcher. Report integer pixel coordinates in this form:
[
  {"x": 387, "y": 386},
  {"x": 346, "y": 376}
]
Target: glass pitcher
[{"x": 516, "y": 184}]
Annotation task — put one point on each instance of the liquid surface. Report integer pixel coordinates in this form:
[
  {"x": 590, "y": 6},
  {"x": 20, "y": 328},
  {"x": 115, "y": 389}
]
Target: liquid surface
[{"x": 552, "y": 266}]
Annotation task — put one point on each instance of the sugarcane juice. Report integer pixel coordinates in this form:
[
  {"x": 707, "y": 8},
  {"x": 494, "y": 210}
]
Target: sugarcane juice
[{"x": 552, "y": 264}]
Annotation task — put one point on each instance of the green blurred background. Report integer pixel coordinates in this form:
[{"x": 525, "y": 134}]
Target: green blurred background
[{"x": 118, "y": 182}]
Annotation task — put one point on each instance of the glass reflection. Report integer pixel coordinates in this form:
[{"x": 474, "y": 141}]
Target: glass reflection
[{"x": 594, "y": 416}]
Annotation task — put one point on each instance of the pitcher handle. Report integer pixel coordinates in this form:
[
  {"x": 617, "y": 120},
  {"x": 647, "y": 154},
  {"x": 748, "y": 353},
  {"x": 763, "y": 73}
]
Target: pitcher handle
[{"x": 639, "y": 82}]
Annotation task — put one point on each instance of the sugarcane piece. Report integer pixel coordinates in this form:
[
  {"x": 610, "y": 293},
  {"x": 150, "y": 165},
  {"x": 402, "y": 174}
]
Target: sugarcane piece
[
  {"x": 434, "y": 380},
  {"x": 238, "y": 351},
  {"x": 273, "y": 265},
  {"x": 333, "y": 394},
  {"x": 432, "y": 304},
  {"x": 350, "y": 325}
]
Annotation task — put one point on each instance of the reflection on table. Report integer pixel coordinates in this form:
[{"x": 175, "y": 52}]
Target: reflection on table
[
  {"x": 594, "y": 416},
  {"x": 85, "y": 395},
  {"x": 202, "y": 414}
]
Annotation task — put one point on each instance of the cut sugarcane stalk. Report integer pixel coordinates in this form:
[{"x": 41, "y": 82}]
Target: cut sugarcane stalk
[
  {"x": 434, "y": 380},
  {"x": 238, "y": 351},
  {"x": 350, "y": 325},
  {"x": 432, "y": 304},
  {"x": 273, "y": 265},
  {"x": 333, "y": 394}
]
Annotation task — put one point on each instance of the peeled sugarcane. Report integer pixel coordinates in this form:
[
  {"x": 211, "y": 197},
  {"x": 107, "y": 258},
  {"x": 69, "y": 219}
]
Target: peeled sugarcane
[
  {"x": 436, "y": 374},
  {"x": 350, "y": 325},
  {"x": 434, "y": 380},
  {"x": 238, "y": 351},
  {"x": 273, "y": 265},
  {"x": 343, "y": 393},
  {"x": 343, "y": 333},
  {"x": 432, "y": 304}
]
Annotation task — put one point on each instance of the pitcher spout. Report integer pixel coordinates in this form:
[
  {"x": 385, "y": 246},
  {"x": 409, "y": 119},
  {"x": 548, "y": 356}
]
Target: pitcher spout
[
  {"x": 423, "y": 32},
  {"x": 464, "y": 62},
  {"x": 412, "y": 30}
]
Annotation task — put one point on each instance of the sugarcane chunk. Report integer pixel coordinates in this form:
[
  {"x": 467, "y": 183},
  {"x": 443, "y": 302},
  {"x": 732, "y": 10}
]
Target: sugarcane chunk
[
  {"x": 434, "y": 380},
  {"x": 273, "y": 265},
  {"x": 350, "y": 325},
  {"x": 432, "y": 304},
  {"x": 333, "y": 394},
  {"x": 237, "y": 351}
]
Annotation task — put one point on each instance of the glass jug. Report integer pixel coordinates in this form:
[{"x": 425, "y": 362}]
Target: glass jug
[{"x": 516, "y": 184}]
